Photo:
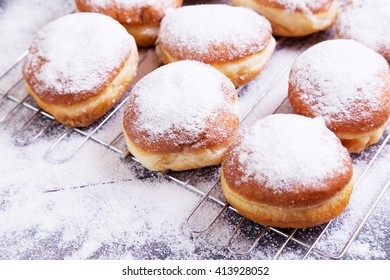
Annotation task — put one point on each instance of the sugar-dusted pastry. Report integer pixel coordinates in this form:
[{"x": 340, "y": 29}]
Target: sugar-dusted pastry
[
  {"x": 79, "y": 66},
  {"x": 183, "y": 115},
  {"x": 288, "y": 171},
  {"x": 348, "y": 85},
  {"x": 367, "y": 22},
  {"x": 235, "y": 40},
  {"x": 294, "y": 18},
  {"x": 141, "y": 18}
]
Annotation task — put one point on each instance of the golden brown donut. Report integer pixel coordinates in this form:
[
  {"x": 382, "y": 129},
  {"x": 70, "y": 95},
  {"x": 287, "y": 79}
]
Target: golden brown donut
[
  {"x": 235, "y": 40},
  {"x": 367, "y": 22},
  {"x": 346, "y": 84},
  {"x": 141, "y": 18},
  {"x": 181, "y": 116},
  {"x": 287, "y": 171},
  {"x": 295, "y": 18},
  {"x": 79, "y": 66}
]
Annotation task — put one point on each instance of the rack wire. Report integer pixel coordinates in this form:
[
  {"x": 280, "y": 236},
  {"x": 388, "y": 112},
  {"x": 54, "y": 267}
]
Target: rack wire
[{"x": 18, "y": 96}]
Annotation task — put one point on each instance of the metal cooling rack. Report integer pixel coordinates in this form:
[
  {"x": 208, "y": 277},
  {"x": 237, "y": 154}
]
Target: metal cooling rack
[{"x": 40, "y": 123}]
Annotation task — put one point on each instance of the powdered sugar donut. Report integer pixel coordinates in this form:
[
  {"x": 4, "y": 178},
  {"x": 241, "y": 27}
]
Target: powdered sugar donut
[
  {"x": 181, "y": 116},
  {"x": 348, "y": 85},
  {"x": 367, "y": 22},
  {"x": 235, "y": 40},
  {"x": 288, "y": 171},
  {"x": 295, "y": 17},
  {"x": 141, "y": 18},
  {"x": 79, "y": 66}
]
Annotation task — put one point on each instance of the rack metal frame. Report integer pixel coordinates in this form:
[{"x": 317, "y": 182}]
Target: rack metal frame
[{"x": 206, "y": 196}]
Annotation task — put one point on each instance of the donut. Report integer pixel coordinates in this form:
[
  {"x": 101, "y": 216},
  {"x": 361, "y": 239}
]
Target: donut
[
  {"x": 295, "y": 18},
  {"x": 79, "y": 66},
  {"x": 287, "y": 171},
  {"x": 235, "y": 40},
  {"x": 141, "y": 18},
  {"x": 367, "y": 22},
  {"x": 181, "y": 116},
  {"x": 346, "y": 84}
]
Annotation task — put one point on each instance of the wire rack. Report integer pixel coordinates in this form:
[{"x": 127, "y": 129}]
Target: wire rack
[{"x": 39, "y": 123}]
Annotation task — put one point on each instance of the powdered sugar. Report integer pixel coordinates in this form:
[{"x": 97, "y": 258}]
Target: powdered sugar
[
  {"x": 335, "y": 77},
  {"x": 77, "y": 223},
  {"x": 118, "y": 213},
  {"x": 368, "y": 23},
  {"x": 362, "y": 199},
  {"x": 180, "y": 96},
  {"x": 205, "y": 29},
  {"x": 80, "y": 52},
  {"x": 282, "y": 150},
  {"x": 25, "y": 17}
]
